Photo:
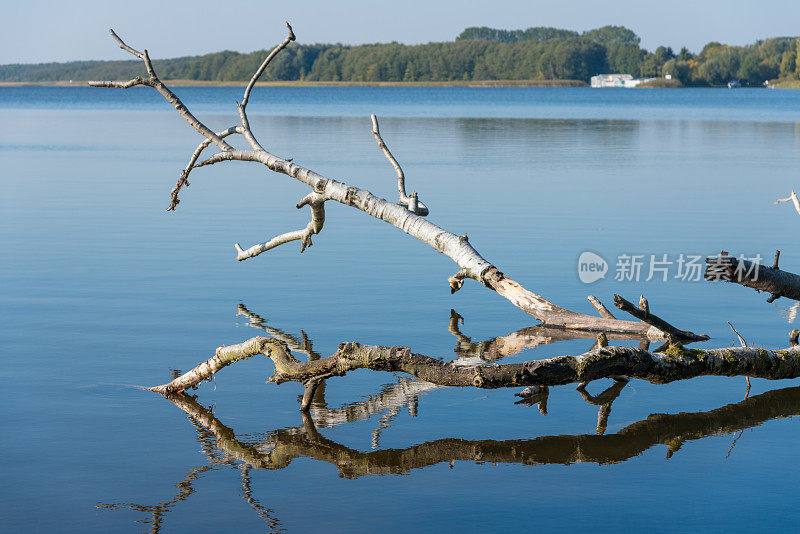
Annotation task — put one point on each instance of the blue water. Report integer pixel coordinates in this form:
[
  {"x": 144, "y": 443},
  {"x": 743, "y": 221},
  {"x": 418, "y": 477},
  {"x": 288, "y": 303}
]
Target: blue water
[
  {"x": 101, "y": 291},
  {"x": 456, "y": 102}
]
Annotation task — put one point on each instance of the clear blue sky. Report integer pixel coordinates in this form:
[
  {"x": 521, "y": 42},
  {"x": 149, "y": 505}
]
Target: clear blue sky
[{"x": 48, "y": 30}]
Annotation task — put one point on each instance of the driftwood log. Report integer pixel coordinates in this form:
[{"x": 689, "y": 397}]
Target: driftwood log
[
  {"x": 407, "y": 214},
  {"x": 676, "y": 363},
  {"x": 773, "y": 280}
]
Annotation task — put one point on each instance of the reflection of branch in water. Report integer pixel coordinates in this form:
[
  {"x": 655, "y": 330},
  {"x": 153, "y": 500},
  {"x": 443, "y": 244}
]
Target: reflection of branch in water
[
  {"x": 406, "y": 392},
  {"x": 604, "y": 400},
  {"x": 672, "y": 430},
  {"x": 185, "y": 489},
  {"x": 537, "y": 397},
  {"x": 471, "y": 352},
  {"x": 303, "y": 344},
  {"x": 789, "y": 312},
  {"x": 266, "y": 514},
  {"x": 207, "y": 427},
  {"x": 391, "y": 399}
]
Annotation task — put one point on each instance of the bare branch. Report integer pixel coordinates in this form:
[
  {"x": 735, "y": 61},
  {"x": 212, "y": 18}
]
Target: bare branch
[
  {"x": 741, "y": 339},
  {"x": 159, "y": 86},
  {"x": 311, "y": 386},
  {"x": 793, "y": 198},
  {"x": 673, "y": 333},
  {"x": 457, "y": 280},
  {"x": 413, "y": 203},
  {"x": 246, "y": 131},
  {"x": 602, "y": 310},
  {"x": 260, "y": 71},
  {"x": 125, "y": 47},
  {"x": 777, "y": 282},
  {"x": 317, "y": 204},
  {"x": 643, "y": 304},
  {"x": 122, "y": 85},
  {"x": 184, "y": 179}
]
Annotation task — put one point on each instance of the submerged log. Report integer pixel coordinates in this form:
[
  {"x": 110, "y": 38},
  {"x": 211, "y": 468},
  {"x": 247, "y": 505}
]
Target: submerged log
[{"x": 676, "y": 363}]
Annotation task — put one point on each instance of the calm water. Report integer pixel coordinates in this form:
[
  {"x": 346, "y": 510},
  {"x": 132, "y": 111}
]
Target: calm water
[{"x": 101, "y": 291}]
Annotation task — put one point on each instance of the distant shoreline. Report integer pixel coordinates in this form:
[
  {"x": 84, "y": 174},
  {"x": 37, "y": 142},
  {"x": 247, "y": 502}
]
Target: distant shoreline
[
  {"x": 454, "y": 83},
  {"x": 775, "y": 84}
]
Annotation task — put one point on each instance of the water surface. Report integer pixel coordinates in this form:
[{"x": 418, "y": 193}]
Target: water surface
[{"x": 102, "y": 290}]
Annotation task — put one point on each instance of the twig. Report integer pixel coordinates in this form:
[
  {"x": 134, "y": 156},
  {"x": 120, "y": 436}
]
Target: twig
[
  {"x": 412, "y": 202},
  {"x": 793, "y": 198}
]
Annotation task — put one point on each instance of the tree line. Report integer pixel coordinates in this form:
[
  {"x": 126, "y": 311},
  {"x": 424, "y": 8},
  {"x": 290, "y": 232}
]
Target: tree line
[{"x": 478, "y": 53}]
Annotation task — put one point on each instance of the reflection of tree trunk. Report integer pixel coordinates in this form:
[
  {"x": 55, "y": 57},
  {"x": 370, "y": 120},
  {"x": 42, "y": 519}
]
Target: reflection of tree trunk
[
  {"x": 273, "y": 524},
  {"x": 671, "y": 430},
  {"x": 391, "y": 398}
]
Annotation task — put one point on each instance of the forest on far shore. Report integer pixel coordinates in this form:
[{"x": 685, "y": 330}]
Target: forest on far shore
[{"x": 477, "y": 54}]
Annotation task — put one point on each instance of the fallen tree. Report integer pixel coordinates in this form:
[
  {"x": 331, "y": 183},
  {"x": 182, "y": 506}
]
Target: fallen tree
[
  {"x": 407, "y": 214},
  {"x": 670, "y": 362}
]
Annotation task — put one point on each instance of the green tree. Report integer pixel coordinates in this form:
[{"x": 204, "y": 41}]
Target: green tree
[
  {"x": 678, "y": 69},
  {"x": 612, "y": 34}
]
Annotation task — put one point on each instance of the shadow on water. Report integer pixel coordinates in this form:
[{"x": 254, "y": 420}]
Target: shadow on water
[{"x": 276, "y": 449}]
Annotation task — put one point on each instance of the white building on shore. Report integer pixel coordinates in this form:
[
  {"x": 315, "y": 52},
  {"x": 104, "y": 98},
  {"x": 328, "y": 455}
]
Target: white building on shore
[{"x": 617, "y": 80}]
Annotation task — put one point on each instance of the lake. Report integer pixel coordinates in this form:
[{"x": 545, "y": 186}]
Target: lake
[{"x": 103, "y": 291}]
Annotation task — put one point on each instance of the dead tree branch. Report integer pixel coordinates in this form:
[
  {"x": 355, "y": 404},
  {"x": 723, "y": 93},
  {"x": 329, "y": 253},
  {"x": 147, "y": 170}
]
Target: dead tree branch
[
  {"x": 644, "y": 315},
  {"x": 677, "y": 363},
  {"x": 773, "y": 280},
  {"x": 411, "y": 202},
  {"x": 406, "y": 215},
  {"x": 791, "y": 198}
]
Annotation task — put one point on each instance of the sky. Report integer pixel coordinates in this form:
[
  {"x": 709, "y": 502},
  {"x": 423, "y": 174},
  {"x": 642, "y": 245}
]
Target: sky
[{"x": 48, "y": 30}]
